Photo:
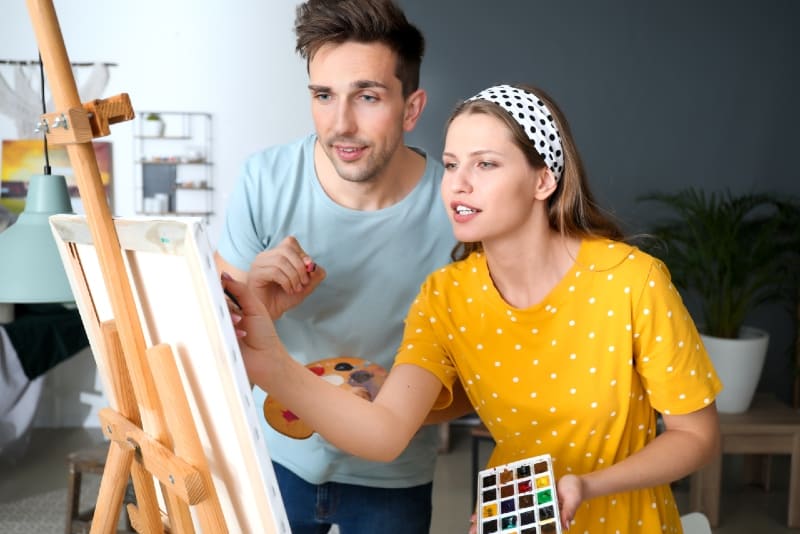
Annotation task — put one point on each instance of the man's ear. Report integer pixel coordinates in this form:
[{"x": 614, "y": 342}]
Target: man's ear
[
  {"x": 414, "y": 105},
  {"x": 546, "y": 183}
]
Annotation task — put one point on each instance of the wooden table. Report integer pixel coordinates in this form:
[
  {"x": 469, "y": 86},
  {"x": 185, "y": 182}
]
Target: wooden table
[{"x": 768, "y": 427}]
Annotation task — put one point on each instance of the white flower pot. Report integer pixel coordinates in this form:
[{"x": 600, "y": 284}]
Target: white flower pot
[
  {"x": 738, "y": 363},
  {"x": 153, "y": 128}
]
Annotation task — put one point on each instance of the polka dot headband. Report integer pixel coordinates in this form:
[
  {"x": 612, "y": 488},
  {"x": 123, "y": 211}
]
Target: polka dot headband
[{"x": 536, "y": 120}]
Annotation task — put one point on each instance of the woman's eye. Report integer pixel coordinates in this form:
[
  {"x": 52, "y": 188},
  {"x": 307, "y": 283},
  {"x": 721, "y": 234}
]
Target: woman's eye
[
  {"x": 449, "y": 166},
  {"x": 486, "y": 164}
]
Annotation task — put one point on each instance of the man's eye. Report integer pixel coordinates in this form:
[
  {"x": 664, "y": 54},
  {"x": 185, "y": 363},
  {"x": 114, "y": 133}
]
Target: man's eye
[
  {"x": 323, "y": 97},
  {"x": 369, "y": 98}
]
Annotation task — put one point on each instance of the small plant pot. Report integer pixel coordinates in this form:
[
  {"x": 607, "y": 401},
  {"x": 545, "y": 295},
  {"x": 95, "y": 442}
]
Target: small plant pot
[{"x": 153, "y": 128}]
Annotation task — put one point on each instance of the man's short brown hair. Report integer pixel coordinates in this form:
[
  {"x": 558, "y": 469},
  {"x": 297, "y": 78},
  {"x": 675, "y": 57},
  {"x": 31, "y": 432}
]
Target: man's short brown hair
[{"x": 321, "y": 22}]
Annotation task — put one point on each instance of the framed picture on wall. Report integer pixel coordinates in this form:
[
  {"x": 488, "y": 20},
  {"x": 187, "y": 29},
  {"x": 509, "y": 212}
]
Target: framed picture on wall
[{"x": 22, "y": 158}]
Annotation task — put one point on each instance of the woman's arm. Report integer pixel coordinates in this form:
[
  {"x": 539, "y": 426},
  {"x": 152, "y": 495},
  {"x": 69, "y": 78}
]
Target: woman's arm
[
  {"x": 689, "y": 442},
  {"x": 378, "y": 430},
  {"x": 459, "y": 407}
]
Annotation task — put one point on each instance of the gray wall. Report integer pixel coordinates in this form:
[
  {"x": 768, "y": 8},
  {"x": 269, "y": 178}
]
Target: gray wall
[{"x": 659, "y": 95}]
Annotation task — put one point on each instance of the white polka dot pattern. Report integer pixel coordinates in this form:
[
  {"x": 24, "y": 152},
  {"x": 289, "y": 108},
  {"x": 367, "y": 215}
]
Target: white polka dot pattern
[{"x": 590, "y": 375}]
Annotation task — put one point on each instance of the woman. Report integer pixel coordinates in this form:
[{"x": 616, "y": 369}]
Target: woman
[{"x": 566, "y": 340}]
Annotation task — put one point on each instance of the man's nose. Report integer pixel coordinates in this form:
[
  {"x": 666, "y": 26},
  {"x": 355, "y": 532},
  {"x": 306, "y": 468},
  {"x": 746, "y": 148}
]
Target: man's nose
[{"x": 345, "y": 119}]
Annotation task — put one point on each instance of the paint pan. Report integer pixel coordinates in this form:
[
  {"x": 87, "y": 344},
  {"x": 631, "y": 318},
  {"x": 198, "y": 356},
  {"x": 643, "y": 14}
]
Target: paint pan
[{"x": 519, "y": 498}]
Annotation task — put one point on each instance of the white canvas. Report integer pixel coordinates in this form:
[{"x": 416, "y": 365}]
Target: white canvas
[{"x": 180, "y": 301}]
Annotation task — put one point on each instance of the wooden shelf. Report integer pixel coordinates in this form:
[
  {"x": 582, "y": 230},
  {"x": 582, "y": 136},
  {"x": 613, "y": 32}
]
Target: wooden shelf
[
  {"x": 179, "y": 187},
  {"x": 171, "y": 162},
  {"x": 164, "y": 137},
  {"x": 176, "y": 213}
]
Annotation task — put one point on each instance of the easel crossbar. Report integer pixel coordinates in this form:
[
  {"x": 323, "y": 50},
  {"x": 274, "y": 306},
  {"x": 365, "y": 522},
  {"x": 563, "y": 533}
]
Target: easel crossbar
[{"x": 180, "y": 477}]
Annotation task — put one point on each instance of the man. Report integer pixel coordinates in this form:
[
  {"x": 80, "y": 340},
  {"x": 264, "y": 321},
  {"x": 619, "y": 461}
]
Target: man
[{"x": 336, "y": 232}]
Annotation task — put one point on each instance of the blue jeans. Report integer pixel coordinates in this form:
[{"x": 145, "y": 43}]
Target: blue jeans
[{"x": 312, "y": 509}]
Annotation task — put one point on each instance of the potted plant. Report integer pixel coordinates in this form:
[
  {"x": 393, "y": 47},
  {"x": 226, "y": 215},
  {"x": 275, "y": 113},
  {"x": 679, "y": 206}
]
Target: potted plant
[
  {"x": 153, "y": 125},
  {"x": 734, "y": 252}
]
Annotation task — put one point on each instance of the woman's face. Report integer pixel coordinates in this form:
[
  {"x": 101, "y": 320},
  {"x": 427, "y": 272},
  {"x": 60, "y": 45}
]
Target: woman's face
[{"x": 489, "y": 187}]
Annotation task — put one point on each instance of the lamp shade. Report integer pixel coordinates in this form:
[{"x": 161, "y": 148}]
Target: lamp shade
[{"x": 31, "y": 270}]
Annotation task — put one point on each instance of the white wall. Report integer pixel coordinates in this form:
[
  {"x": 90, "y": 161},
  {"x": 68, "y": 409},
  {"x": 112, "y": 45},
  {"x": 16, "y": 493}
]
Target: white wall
[{"x": 233, "y": 59}]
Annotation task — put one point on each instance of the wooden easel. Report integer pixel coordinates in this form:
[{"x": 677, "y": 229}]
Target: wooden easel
[{"x": 149, "y": 424}]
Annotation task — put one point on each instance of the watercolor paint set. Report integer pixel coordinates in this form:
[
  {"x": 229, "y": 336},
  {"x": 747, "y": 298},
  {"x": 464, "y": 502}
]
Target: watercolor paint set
[{"x": 519, "y": 498}]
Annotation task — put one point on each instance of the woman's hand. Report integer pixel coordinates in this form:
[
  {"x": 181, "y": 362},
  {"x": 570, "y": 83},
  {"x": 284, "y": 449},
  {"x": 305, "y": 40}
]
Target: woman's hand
[
  {"x": 570, "y": 496},
  {"x": 257, "y": 337},
  {"x": 570, "y": 492}
]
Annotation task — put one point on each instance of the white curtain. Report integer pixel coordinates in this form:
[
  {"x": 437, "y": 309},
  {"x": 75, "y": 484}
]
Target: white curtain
[
  {"x": 19, "y": 398},
  {"x": 21, "y": 99}
]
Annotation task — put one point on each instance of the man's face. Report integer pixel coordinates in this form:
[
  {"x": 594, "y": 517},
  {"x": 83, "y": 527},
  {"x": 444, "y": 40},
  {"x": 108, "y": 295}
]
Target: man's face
[{"x": 358, "y": 107}]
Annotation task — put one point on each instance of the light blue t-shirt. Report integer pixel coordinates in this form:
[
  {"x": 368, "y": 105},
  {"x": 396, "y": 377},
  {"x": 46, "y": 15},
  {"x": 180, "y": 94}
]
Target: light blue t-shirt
[{"x": 375, "y": 263}]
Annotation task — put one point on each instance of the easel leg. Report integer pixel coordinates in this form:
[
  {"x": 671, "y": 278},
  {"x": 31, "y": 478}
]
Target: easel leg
[
  {"x": 112, "y": 489},
  {"x": 145, "y": 517}
]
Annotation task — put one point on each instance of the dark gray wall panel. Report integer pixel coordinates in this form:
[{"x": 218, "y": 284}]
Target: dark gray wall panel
[{"x": 660, "y": 95}]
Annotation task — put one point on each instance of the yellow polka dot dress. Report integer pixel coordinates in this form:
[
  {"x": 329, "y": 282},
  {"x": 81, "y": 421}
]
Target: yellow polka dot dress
[{"x": 577, "y": 376}]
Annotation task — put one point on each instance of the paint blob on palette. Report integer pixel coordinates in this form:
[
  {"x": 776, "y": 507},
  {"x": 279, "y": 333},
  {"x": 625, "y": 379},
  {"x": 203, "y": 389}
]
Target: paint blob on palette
[{"x": 519, "y": 498}]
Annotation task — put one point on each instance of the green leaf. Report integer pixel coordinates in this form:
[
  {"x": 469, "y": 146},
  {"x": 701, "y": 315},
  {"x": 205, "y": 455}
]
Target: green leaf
[{"x": 735, "y": 252}]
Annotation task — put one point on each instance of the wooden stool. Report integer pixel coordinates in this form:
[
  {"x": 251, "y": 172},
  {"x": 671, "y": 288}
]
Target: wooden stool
[
  {"x": 768, "y": 427},
  {"x": 478, "y": 433},
  {"x": 88, "y": 461}
]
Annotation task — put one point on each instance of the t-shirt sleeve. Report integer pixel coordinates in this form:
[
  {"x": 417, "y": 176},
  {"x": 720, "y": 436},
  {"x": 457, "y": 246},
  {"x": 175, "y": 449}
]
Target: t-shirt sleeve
[
  {"x": 425, "y": 344},
  {"x": 240, "y": 239},
  {"x": 668, "y": 352}
]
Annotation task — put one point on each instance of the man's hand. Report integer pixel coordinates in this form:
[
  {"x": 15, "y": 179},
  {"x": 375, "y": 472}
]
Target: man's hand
[{"x": 284, "y": 276}]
